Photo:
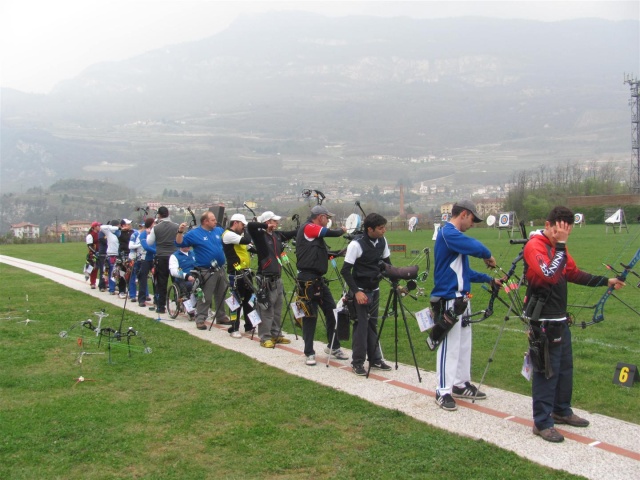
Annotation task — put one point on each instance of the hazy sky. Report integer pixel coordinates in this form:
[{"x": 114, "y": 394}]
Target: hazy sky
[{"x": 45, "y": 41}]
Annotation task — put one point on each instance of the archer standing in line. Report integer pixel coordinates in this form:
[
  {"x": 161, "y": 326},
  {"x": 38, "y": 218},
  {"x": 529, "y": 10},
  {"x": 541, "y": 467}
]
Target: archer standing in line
[
  {"x": 450, "y": 299},
  {"x": 206, "y": 241},
  {"x": 269, "y": 244},
  {"x": 92, "y": 256},
  {"x": 146, "y": 265},
  {"x": 123, "y": 253},
  {"x": 111, "y": 233},
  {"x": 163, "y": 235},
  {"x": 361, "y": 271},
  {"x": 549, "y": 268},
  {"x": 313, "y": 262},
  {"x": 235, "y": 243}
]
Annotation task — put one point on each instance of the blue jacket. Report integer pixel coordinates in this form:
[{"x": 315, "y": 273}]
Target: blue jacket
[
  {"x": 207, "y": 245},
  {"x": 452, "y": 274},
  {"x": 149, "y": 249},
  {"x": 186, "y": 262}
]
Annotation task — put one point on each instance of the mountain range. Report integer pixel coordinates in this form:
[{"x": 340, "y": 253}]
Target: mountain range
[{"x": 292, "y": 98}]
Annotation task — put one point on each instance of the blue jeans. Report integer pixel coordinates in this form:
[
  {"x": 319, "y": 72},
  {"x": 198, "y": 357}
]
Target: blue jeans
[
  {"x": 132, "y": 280},
  {"x": 110, "y": 263}
]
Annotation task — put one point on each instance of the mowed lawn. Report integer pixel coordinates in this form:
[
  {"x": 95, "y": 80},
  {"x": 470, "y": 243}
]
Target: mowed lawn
[{"x": 193, "y": 410}]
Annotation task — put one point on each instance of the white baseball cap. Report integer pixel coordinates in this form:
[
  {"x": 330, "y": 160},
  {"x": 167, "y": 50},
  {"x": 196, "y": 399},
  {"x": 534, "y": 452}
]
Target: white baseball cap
[
  {"x": 238, "y": 217},
  {"x": 268, "y": 215}
]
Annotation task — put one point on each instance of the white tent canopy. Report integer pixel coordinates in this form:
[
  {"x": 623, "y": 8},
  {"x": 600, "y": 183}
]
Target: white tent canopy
[{"x": 616, "y": 217}]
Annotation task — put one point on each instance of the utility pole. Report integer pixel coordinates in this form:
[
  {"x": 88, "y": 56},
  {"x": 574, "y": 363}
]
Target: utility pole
[{"x": 634, "y": 103}]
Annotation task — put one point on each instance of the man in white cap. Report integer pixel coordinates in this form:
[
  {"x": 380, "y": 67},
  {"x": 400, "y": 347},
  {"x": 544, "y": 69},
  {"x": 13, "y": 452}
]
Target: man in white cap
[
  {"x": 235, "y": 244},
  {"x": 313, "y": 291},
  {"x": 269, "y": 244}
]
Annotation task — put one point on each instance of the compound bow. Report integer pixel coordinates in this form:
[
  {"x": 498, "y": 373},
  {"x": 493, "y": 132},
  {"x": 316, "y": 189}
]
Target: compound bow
[
  {"x": 193, "y": 223},
  {"x": 307, "y": 193},
  {"x": 598, "y": 308}
]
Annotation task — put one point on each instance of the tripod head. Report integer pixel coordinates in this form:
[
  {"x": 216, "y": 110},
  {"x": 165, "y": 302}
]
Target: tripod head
[{"x": 402, "y": 290}]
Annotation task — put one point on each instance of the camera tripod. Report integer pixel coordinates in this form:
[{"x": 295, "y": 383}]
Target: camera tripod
[{"x": 394, "y": 303}]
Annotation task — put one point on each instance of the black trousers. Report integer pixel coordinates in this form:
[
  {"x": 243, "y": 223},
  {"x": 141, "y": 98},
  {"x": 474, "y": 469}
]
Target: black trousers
[
  {"x": 325, "y": 302},
  {"x": 162, "y": 275}
]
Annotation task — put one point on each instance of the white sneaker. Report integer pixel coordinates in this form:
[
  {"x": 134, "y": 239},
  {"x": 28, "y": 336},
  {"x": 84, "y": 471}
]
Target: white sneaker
[
  {"x": 236, "y": 334},
  {"x": 122, "y": 295},
  {"x": 311, "y": 360},
  {"x": 337, "y": 353}
]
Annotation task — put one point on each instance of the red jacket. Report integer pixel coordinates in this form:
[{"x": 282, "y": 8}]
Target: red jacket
[{"x": 548, "y": 271}]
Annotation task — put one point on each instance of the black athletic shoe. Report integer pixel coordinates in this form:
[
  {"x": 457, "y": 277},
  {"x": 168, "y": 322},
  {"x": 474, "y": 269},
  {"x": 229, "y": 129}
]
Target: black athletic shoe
[
  {"x": 161, "y": 310},
  {"x": 446, "y": 402},
  {"x": 468, "y": 391},
  {"x": 359, "y": 370},
  {"x": 381, "y": 366}
]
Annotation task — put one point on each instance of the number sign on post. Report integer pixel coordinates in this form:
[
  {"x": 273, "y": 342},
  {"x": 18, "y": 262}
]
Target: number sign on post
[{"x": 625, "y": 375}]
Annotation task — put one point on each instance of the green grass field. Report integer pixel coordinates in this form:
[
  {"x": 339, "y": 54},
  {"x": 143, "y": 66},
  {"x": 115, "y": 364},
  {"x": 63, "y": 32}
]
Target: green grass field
[
  {"x": 194, "y": 410},
  {"x": 191, "y": 409}
]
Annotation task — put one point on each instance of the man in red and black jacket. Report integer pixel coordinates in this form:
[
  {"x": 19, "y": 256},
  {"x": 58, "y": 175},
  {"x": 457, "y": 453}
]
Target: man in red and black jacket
[
  {"x": 549, "y": 268},
  {"x": 313, "y": 262}
]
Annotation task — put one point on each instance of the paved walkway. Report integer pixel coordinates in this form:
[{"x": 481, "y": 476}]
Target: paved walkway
[{"x": 609, "y": 448}]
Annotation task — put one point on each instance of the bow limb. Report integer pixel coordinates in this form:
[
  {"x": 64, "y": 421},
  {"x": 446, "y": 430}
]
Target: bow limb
[
  {"x": 495, "y": 292},
  {"x": 488, "y": 310},
  {"x": 193, "y": 222},
  {"x": 255, "y": 217},
  {"x": 296, "y": 218},
  {"x": 598, "y": 314}
]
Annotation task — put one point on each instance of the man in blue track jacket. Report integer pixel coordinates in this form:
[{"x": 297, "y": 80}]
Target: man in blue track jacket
[{"x": 450, "y": 301}]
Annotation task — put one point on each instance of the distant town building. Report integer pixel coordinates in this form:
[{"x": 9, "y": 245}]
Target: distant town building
[
  {"x": 489, "y": 206},
  {"x": 25, "y": 230},
  {"x": 446, "y": 207},
  {"x": 78, "y": 227}
]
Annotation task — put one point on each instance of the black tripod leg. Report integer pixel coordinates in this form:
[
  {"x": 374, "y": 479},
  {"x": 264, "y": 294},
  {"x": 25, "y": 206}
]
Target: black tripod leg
[
  {"x": 395, "y": 323},
  {"x": 406, "y": 326}
]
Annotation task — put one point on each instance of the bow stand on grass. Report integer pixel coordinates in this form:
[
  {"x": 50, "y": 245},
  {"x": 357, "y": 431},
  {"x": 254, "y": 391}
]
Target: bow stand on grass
[{"x": 114, "y": 337}]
